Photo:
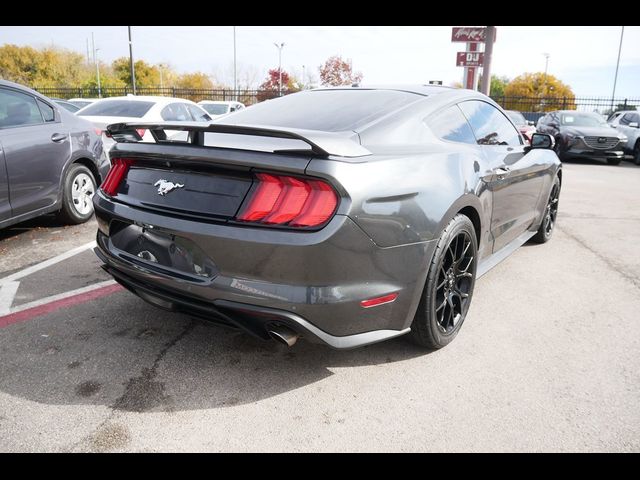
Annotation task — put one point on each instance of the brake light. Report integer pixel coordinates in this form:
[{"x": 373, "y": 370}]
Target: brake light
[
  {"x": 119, "y": 169},
  {"x": 141, "y": 132},
  {"x": 290, "y": 201}
]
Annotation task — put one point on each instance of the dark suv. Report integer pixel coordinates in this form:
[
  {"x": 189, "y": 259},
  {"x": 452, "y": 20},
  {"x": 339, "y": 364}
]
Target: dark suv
[
  {"x": 583, "y": 134},
  {"x": 50, "y": 160}
]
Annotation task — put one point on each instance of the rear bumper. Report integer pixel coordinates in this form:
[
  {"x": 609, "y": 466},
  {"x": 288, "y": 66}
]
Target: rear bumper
[{"x": 312, "y": 282}]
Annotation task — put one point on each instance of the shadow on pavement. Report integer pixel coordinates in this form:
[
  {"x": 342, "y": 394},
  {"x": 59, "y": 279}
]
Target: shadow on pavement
[{"x": 120, "y": 352}]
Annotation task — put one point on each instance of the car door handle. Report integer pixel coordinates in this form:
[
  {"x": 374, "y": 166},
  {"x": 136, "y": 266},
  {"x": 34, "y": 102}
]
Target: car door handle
[{"x": 58, "y": 137}]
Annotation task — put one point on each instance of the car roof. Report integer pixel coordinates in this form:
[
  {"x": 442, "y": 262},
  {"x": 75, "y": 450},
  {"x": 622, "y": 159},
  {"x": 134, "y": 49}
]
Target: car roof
[
  {"x": 217, "y": 102},
  {"x": 148, "y": 98}
]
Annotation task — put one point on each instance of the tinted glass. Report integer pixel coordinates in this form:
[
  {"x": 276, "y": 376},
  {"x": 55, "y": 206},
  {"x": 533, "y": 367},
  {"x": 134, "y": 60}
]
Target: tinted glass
[
  {"x": 176, "y": 112},
  {"x": 17, "y": 109},
  {"x": 47, "y": 111},
  {"x": 450, "y": 124},
  {"x": 215, "y": 108},
  {"x": 70, "y": 107},
  {"x": 490, "y": 126},
  {"x": 516, "y": 117},
  {"x": 582, "y": 120},
  {"x": 197, "y": 114},
  {"x": 328, "y": 110},
  {"x": 117, "y": 108},
  {"x": 628, "y": 118}
]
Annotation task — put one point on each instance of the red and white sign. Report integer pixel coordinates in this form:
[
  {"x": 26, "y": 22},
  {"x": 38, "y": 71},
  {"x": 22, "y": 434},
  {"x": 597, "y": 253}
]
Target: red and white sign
[
  {"x": 468, "y": 34},
  {"x": 469, "y": 59}
]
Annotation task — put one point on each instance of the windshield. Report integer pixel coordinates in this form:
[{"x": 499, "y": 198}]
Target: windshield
[
  {"x": 215, "y": 108},
  {"x": 117, "y": 108},
  {"x": 581, "y": 120},
  {"x": 516, "y": 117}
]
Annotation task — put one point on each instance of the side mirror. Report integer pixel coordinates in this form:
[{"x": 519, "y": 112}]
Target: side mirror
[
  {"x": 529, "y": 122},
  {"x": 541, "y": 141},
  {"x": 634, "y": 125},
  {"x": 554, "y": 125}
]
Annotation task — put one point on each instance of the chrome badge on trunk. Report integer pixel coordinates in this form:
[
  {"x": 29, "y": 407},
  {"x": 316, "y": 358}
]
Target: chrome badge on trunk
[{"x": 165, "y": 186}]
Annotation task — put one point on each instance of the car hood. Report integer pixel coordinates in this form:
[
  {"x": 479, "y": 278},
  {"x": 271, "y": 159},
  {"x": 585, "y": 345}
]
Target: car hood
[{"x": 592, "y": 131}]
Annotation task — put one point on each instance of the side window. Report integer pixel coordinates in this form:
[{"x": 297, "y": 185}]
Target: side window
[
  {"x": 198, "y": 114},
  {"x": 175, "y": 112},
  {"x": 628, "y": 118},
  {"x": 47, "y": 111},
  {"x": 450, "y": 124},
  {"x": 17, "y": 108},
  {"x": 490, "y": 126}
]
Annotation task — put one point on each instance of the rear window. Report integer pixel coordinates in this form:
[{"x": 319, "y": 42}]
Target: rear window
[
  {"x": 118, "y": 108},
  {"x": 215, "y": 108},
  {"x": 327, "y": 110}
]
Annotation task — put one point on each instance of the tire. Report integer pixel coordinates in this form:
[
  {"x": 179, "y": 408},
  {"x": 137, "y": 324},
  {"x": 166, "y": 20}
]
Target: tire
[
  {"x": 548, "y": 224},
  {"x": 614, "y": 161},
  {"x": 452, "y": 273},
  {"x": 80, "y": 182},
  {"x": 636, "y": 153}
]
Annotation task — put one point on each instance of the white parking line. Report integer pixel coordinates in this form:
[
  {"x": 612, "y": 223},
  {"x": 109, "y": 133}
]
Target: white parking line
[
  {"x": 9, "y": 284},
  {"x": 60, "y": 296},
  {"x": 46, "y": 263},
  {"x": 7, "y": 293}
]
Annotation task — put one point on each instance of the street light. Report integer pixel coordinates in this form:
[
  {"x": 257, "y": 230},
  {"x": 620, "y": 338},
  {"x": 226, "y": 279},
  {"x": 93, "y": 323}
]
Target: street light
[
  {"x": 98, "y": 72},
  {"x": 615, "y": 78},
  {"x": 279, "y": 47},
  {"x": 546, "y": 66}
]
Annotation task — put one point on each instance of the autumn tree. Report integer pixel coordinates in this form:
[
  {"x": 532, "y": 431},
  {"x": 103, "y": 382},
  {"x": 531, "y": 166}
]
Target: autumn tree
[
  {"x": 538, "y": 92},
  {"x": 270, "y": 87},
  {"x": 147, "y": 75},
  {"x": 336, "y": 72},
  {"x": 47, "y": 67},
  {"x": 197, "y": 80}
]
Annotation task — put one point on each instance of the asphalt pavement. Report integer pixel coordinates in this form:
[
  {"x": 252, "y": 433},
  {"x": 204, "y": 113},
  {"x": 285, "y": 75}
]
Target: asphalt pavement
[{"x": 548, "y": 358}]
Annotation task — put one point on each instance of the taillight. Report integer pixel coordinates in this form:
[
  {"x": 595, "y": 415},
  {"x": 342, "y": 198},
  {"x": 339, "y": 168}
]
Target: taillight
[
  {"x": 141, "y": 132},
  {"x": 290, "y": 201},
  {"x": 119, "y": 169},
  {"x": 97, "y": 130}
]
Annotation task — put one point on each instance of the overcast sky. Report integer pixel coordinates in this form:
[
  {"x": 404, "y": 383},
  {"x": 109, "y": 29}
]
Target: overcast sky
[{"x": 583, "y": 57}]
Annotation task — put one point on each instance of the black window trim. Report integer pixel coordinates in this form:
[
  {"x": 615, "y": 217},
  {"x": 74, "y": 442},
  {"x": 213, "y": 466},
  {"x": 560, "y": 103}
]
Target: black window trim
[{"x": 35, "y": 98}]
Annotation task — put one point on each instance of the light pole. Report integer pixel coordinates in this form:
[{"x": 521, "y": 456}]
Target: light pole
[
  {"x": 95, "y": 54},
  {"x": 235, "y": 67},
  {"x": 304, "y": 82},
  {"x": 615, "y": 78},
  {"x": 279, "y": 47},
  {"x": 131, "y": 66}
]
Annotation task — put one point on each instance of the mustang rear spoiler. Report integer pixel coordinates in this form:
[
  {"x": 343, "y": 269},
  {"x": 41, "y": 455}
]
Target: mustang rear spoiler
[{"x": 341, "y": 144}]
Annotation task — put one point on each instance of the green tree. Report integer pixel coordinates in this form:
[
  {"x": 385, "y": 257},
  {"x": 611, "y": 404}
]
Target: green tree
[
  {"x": 498, "y": 85},
  {"x": 538, "y": 92},
  {"x": 147, "y": 75}
]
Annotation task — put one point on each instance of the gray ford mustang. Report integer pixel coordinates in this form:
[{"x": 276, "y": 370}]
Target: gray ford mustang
[{"x": 346, "y": 216}]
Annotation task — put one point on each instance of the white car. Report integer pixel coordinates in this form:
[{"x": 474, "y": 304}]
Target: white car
[
  {"x": 134, "y": 108},
  {"x": 216, "y": 109}
]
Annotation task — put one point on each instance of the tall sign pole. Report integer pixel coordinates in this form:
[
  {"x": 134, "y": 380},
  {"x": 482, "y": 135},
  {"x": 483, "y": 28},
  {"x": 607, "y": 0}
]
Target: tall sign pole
[
  {"x": 473, "y": 58},
  {"x": 131, "y": 66},
  {"x": 486, "y": 66}
]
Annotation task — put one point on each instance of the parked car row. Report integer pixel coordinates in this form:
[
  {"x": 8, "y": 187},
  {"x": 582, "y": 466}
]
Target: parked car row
[
  {"x": 628, "y": 123},
  {"x": 53, "y": 152}
]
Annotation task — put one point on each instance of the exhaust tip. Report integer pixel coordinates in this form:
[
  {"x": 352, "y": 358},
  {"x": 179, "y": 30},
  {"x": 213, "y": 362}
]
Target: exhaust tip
[{"x": 283, "y": 335}]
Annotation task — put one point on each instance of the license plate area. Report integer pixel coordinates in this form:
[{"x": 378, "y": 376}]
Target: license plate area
[{"x": 161, "y": 252}]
